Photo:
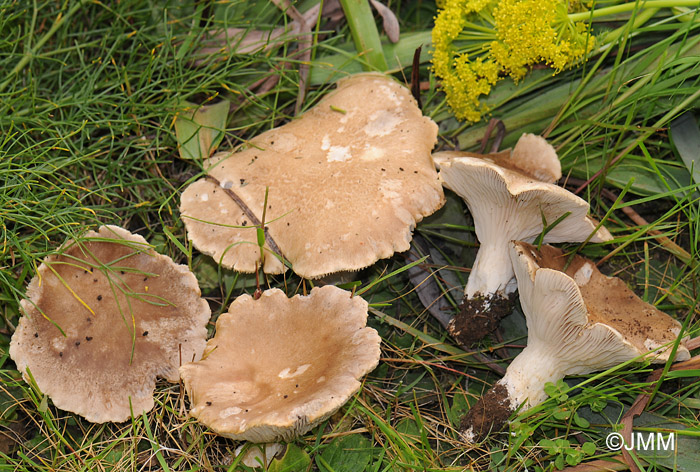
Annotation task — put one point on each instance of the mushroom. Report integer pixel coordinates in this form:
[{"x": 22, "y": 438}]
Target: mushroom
[
  {"x": 509, "y": 196},
  {"x": 278, "y": 366},
  {"x": 579, "y": 321},
  {"x": 103, "y": 318},
  {"x": 345, "y": 184}
]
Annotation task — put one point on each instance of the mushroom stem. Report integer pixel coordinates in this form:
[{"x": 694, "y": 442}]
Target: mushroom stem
[
  {"x": 521, "y": 385},
  {"x": 489, "y": 295},
  {"x": 492, "y": 272},
  {"x": 525, "y": 385}
]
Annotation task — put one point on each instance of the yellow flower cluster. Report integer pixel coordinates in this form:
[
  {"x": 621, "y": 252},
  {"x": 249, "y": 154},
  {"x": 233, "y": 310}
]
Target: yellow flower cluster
[
  {"x": 526, "y": 32},
  {"x": 547, "y": 36},
  {"x": 462, "y": 79}
]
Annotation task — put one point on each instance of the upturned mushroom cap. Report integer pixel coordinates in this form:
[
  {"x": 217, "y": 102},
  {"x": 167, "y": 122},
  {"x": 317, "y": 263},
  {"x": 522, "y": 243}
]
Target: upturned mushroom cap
[
  {"x": 607, "y": 301},
  {"x": 508, "y": 194},
  {"x": 347, "y": 183},
  {"x": 508, "y": 204},
  {"x": 103, "y": 318},
  {"x": 279, "y": 366},
  {"x": 578, "y": 321}
]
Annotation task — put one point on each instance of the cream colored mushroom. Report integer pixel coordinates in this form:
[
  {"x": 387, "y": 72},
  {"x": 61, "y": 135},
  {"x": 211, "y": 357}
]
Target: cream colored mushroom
[
  {"x": 103, "y": 318},
  {"x": 579, "y": 321},
  {"x": 508, "y": 202},
  {"x": 347, "y": 183},
  {"x": 279, "y": 366}
]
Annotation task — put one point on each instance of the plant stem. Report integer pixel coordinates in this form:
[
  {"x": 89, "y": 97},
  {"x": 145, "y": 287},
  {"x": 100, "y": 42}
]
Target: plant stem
[
  {"x": 364, "y": 32},
  {"x": 627, "y": 7},
  {"x": 641, "y": 18}
]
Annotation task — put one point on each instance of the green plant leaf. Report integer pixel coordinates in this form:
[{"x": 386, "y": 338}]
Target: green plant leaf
[
  {"x": 200, "y": 129},
  {"x": 408, "y": 427},
  {"x": 588, "y": 448},
  {"x": 685, "y": 137},
  {"x": 646, "y": 180},
  {"x": 460, "y": 406},
  {"x": 573, "y": 458},
  {"x": 294, "y": 459},
  {"x": 686, "y": 456},
  {"x": 344, "y": 60},
  {"x": 346, "y": 454},
  {"x": 559, "y": 462},
  {"x": 580, "y": 421}
]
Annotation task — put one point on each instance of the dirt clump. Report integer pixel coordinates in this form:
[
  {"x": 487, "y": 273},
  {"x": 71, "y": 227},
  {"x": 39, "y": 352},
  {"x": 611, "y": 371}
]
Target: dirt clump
[{"x": 479, "y": 317}]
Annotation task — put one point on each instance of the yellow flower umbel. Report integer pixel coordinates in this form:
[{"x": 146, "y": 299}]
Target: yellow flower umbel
[
  {"x": 478, "y": 42},
  {"x": 536, "y": 31}
]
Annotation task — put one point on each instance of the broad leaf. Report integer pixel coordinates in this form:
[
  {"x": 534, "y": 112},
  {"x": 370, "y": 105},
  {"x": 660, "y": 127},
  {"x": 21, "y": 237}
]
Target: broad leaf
[
  {"x": 346, "y": 454},
  {"x": 685, "y": 137},
  {"x": 294, "y": 459},
  {"x": 200, "y": 129}
]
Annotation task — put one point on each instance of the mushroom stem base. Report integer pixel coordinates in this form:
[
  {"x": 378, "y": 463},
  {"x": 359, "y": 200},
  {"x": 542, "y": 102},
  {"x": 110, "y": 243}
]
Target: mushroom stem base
[
  {"x": 488, "y": 415},
  {"x": 479, "y": 316}
]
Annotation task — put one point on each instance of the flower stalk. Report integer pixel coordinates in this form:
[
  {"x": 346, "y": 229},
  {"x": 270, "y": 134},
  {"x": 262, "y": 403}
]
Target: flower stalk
[{"x": 631, "y": 6}]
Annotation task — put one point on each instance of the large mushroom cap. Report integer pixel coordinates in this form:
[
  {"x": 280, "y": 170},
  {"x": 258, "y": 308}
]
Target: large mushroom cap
[
  {"x": 104, "y": 317},
  {"x": 347, "y": 183},
  {"x": 278, "y": 366}
]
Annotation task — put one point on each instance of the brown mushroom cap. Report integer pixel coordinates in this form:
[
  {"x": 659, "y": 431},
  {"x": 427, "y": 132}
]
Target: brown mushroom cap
[
  {"x": 347, "y": 183},
  {"x": 104, "y": 317},
  {"x": 278, "y": 366}
]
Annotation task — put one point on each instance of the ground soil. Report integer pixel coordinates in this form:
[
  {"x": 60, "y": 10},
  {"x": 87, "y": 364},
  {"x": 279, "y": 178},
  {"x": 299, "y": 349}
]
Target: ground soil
[
  {"x": 479, "y": 317},
  {"x": 488, "y": 415}
]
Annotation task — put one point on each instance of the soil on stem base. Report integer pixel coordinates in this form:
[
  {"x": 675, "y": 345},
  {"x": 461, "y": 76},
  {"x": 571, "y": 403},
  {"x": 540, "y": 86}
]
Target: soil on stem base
[
  {"x": 488, "y": 415},
  {"x": 478, "y": 317}
]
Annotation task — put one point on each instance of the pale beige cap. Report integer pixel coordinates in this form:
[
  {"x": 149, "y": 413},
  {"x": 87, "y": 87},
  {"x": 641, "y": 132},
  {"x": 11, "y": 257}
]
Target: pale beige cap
[
  {"x": 279, "y": 366},
  {"x": 532, "y": 156},
  {"x": 103, "y": 318},
  {"x": 348, "y": 181}
]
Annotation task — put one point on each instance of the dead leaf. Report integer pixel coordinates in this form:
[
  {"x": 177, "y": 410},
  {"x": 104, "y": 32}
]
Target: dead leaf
[
  {"x": 249, "y": 41},
  {"x": 389, "y": 21}
]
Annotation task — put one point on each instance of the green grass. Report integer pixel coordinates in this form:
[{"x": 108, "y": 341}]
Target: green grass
[{"x": 89, "y": 93}]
